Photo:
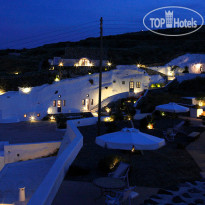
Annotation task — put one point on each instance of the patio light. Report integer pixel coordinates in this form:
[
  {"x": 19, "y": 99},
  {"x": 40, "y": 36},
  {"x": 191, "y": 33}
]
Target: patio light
[
  {"x": 32, "y": 118},
  {"x": 107, "y": 109},
  {"x": 109, "y": 64},
  {"x": 150, "y": 126},
  {"x": 60, "y": 64},
  {"x": 2, "y": 92},
  {"x": 26, "y": 90},
  {"x": 52, "y": 118}
]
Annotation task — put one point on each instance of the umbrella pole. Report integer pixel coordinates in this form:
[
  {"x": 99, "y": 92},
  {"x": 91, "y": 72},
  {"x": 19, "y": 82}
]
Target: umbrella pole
[{"x": 132, "y": 124}]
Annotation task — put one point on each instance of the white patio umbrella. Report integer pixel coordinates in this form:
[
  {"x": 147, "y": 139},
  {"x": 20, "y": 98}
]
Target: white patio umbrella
[
  {"x": 172, "y": 107},
  {"x": 129, "y": 138}
]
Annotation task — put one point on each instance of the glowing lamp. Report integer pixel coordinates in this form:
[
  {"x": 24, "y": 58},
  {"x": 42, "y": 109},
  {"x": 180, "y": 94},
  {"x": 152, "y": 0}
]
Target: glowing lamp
[
  {"x": 200, "y": 103},
  {"x": 163, "y": 114},
  {"x": 60, "y": 64},
  {"x": 107, "y": 109},
  {"x": 109, "y": 64},
  {"x": 52, "y": 118},
  {"x": 26, "y": 90},
  {"x": 57, "y": 79},
  {"x": 108, "y": 119},
  {"x": 2, "y": 92},
  {"x": 150, "y": 126},
  {"x": 76, "y": 65},
  {"x": 32, "y": 118},
  {"x": 133, "y": 148}
]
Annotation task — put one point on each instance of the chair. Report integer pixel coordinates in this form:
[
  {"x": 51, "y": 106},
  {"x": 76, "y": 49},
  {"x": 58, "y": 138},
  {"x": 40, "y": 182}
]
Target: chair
[
  {"x": 169, "y": 136},
  {"x": 179, "y": 128},
  {"x": 121, "y": 172},
  {"x": 120, "y": 197}
]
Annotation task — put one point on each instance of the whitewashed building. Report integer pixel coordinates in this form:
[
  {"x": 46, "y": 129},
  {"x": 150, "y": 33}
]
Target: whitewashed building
[{"x": 72, "y": 95}]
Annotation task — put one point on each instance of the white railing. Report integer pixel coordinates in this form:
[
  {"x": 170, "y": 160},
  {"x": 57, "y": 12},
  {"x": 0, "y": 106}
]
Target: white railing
[
  {"x": 70, "y": 147},
  {"x": 48, "y": 189}
]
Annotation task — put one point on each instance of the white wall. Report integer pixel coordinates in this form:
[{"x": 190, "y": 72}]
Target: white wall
[
  {"x": 40, "y": 99},
  {"x": 29, "y": 151},
  {"x": 46, "y": 192},
  {"x": 85, "y": 121}
]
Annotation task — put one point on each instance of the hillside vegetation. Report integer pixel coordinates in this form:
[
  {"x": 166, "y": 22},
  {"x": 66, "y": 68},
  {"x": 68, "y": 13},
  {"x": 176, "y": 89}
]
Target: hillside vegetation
[{"x": 131, "y": 48}]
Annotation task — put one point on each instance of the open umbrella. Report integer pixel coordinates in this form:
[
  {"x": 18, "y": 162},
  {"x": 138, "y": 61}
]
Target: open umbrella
[
  {"x": 172, "y": 107},
  {"x": 129, "y": 138}
]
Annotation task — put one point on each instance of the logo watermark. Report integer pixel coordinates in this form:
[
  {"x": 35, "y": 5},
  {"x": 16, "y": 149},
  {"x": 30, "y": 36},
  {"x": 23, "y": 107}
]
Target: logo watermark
[{"x": 173, "y": 17}]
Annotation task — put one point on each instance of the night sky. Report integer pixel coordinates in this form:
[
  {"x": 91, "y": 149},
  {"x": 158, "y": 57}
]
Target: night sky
[{"x": 30, "y": 23}]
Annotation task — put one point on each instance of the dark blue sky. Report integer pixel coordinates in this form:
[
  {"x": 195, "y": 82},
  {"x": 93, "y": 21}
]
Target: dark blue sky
[{"x": 29, "y": 23}]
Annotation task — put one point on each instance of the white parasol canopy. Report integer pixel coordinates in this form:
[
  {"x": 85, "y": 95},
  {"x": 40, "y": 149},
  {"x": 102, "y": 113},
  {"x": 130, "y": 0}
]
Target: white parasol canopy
[
  {"x": 172, "y": 107},
  {"x": 128, "y": 138}
]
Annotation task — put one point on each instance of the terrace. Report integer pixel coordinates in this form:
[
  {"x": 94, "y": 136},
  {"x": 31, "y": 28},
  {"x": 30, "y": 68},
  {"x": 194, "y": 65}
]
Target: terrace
[{"x": 155, "y": 170}]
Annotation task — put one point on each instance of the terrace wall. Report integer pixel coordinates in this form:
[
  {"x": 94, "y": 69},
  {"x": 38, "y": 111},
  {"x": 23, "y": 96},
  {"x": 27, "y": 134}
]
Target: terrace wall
[
  {"x": 71, "y": 146},
  {"x": 23, "y": 152}
]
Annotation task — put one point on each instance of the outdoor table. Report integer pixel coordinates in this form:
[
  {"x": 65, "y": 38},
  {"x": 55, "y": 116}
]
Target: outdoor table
[{"x": 108, "y": 184}]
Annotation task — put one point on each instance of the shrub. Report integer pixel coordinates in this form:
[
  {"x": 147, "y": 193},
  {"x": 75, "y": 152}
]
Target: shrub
[
  {"x": 61, "y": 121},
  {"x": 109, "y": 163}
]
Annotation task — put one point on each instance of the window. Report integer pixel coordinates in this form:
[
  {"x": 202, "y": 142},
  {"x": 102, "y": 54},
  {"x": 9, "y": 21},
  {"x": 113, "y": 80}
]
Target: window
[
  {"x": 91, "y": 102},
  {"x": 123, "y": 82},
  {"x": 84, "y": 62},
  {"x": 114, "y": 81},
  {"x": 54, "y": 103},
  {"x": 38, "y": 115},
  {"x": 59, "y": 103},
  {"x": 138, "y": 84},
  {"x": 83, "y": 102},
  {"x": 132, "y": 85},
  {"x": 63, "y": 102}
]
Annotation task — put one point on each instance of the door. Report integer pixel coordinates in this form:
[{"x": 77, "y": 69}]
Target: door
[
  {"x": 59, "y": 105},
  {"x": 87, "y": 104},
  {"x": 131, "y": 86}
]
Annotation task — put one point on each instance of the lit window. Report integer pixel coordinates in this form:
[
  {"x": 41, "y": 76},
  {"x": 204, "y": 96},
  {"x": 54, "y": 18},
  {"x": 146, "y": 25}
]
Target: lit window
[
  {"x": 38, "y": 115},
  {"x": 84, "y": 62},
  {"x": 91, "y": 102},
  {"x": 63, "y": 102},
  {"x": 131, "y": 84},
  {"x": 138, "y": 84},
  {"x": 123, "y": 82},
  {"x": 59, "y": 103},
  {"x": 25, "y": 115},
  {"x": 83, "y": 102},
  {"x": 54, "y": 103}
]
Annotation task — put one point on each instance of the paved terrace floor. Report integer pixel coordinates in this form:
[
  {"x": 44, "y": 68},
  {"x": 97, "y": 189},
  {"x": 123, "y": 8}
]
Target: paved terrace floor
[
  {"x": 84, "y": 193},
  {"x": 27, "y": 132},
  {"x": 28, "y": 174},
  {"x": 197, "y": 151}
]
